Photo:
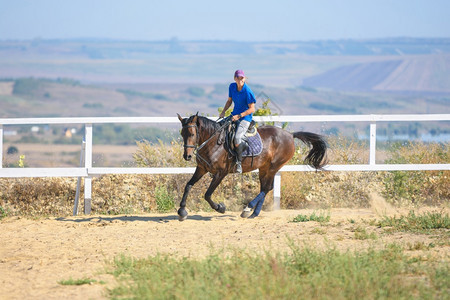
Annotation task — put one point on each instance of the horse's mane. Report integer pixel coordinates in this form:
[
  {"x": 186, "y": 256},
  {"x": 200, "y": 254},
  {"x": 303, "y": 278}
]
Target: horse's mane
[{"x": 207, "y": 124}]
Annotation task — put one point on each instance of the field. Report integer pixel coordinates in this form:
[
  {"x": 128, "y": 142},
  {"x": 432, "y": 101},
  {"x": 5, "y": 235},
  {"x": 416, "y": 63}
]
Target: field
[
  {"x": 284, "y": 64},
  {"x": 69, "y": 257},
  {"x": 377, "y": 234},
  {"x": 354, "y": 235}
]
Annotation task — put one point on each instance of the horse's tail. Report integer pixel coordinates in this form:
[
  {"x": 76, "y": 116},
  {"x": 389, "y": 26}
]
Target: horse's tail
[{"x": 316, "y": 157}]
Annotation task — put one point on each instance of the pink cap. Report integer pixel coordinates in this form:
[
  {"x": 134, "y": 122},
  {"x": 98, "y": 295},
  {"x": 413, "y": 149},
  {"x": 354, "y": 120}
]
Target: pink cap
[{"x": 239, "y": 73}]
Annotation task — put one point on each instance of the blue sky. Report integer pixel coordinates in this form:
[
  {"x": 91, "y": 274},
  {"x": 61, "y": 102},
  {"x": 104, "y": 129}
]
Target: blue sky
[{"x": 246, "y": 20}]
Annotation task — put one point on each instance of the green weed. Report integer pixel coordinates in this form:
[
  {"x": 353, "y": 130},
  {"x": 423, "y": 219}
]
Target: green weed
[
  {"x": 77, "y": 281},
  {"x": 362, "y": 234},
  {"x": 3, "y": 213},
  {"x": 319, "y": 230},
  {"x": 417, "y": 223},
  {"x": 304, "y": 273},
  {"x": 321, "y": 218}
]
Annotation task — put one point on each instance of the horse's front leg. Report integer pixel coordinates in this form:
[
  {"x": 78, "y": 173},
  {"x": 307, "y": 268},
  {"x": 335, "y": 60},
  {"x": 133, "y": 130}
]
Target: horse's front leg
[
  {"x": 217, "y": 179},
  {"x": 182, "y": 213}
]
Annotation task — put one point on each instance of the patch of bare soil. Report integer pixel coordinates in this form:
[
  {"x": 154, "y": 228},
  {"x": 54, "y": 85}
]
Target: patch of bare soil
[{"x": 36, "y": 254}]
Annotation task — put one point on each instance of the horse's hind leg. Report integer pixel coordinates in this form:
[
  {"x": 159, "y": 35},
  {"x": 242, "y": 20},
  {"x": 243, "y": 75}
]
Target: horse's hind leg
[
  {"x": 182, "y": 213},
  {"x": 217, "y": 179},
  {"x": 247, "y": 212},
  {"x": 266, "y": 182}
]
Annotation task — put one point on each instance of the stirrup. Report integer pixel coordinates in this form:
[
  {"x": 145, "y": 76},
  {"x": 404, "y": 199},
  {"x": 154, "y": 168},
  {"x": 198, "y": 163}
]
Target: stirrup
[
  {"x": 246, "y": 212},
  {"x": 239, "y": 168}
]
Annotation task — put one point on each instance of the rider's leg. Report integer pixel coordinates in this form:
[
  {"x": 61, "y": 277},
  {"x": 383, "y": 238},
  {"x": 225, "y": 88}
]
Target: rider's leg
[{"x": 240, "y": 145}]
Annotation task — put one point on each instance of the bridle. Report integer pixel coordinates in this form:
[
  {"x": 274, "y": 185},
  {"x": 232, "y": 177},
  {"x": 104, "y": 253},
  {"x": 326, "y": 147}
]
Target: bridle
[
  {"x": 196, "y": 134},
  {"x": 198, "y": 148}
]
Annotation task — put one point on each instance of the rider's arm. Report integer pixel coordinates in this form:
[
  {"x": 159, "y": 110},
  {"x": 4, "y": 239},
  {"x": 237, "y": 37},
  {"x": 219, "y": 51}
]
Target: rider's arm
[
  {"x": 226, "y": 107},
  {"x": 250, "y": 110}
]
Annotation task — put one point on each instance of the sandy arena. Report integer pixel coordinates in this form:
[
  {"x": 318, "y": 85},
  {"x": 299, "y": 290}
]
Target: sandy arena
[{"x": 36, "y": 254}]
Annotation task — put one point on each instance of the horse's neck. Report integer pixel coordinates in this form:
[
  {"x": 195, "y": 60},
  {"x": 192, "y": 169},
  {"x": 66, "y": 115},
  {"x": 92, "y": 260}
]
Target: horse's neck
[
  {"x": 205, "y": 135},
  {"x": 208, "y": 133},
  {"x": 204, "y": 132}
]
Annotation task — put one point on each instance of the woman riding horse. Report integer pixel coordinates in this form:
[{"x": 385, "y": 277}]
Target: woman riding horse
[
  {"x": 244, "y": 101},
  {"x": 201, "y": 137}
]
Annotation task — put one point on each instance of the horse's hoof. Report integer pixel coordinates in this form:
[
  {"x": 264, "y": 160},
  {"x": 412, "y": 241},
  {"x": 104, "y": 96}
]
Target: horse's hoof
[
  {"x": 221, "y": 208},
  {"x": 246, "y": 212},
  {"x": 182, "y": 214},
  {"x": 253, "y": 215}
]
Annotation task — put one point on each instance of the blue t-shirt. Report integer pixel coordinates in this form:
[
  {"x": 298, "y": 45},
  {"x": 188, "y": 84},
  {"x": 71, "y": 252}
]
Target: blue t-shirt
[{"x": 241, "y": 99}]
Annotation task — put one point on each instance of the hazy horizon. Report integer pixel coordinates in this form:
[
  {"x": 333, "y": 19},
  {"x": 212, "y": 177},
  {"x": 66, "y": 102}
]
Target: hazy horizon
[
  {"x": 103, "y": 39},
  {"x": 245, "y": 21}
]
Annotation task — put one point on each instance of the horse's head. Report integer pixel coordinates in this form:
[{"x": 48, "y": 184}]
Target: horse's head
[{"x": 190, "y": 134}]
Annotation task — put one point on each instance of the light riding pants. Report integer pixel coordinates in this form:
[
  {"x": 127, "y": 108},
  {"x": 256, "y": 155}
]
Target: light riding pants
[{"x": 242, "y": 128}]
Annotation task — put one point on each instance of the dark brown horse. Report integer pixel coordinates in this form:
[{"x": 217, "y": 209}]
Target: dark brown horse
[{"x": 200, "y": 137}]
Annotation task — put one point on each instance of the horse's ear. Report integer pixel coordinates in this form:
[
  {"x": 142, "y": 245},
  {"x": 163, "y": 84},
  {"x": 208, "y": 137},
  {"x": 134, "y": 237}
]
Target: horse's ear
[
  {"x": 194, "y": 120},
  {"x": 180, "y": 118}
]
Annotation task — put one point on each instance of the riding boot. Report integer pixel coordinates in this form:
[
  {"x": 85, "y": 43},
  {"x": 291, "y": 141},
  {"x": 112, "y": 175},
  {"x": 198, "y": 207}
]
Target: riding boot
[{"x": 239, "y": 150}]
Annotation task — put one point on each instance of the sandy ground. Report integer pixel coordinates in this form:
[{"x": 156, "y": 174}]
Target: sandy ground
[{"x": 36, "y": 254}]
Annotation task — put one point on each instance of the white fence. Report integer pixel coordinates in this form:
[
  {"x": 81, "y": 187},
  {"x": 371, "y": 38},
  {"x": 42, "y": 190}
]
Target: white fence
[{"x": 87, "y": 171}]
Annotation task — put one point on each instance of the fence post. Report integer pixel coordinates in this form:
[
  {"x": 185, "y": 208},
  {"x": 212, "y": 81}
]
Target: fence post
[
  {"x": 373, "y": 143},
  {"x": 88, "y": 165},
  {"x": 277, "y": 191},
  {"x": 77, "y": 193},
  {"x": 1, "y": 146}
]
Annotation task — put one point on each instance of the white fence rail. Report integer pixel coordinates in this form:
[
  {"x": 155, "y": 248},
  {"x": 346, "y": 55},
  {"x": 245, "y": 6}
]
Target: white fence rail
[{"x": 88, "y": 171}]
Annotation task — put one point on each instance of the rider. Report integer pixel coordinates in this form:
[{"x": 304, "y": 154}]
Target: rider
[{"x": 244, "y": 106}]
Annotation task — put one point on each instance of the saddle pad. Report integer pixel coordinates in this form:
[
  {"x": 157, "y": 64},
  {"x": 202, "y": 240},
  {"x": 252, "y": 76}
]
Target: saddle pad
[{"x": 255, "y": 145}]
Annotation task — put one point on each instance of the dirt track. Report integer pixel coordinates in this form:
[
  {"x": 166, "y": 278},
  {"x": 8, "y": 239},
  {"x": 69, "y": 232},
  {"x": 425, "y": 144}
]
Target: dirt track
[{"x": 36, "y": 254}]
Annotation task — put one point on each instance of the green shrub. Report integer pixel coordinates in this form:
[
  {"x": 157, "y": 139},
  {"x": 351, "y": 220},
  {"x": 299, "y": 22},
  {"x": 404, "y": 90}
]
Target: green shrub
[
  {"x": 164, "y": 199},
  {"x": 418, "y": 187},
  {"x": 26, "y": 86},
  {"x": 12, "y": 150}
]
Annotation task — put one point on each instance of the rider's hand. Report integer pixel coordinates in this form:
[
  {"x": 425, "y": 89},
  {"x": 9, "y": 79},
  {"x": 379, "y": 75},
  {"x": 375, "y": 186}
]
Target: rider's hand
[
  {"x": 222, "y": 114},
  {"x": 235, "y": 118}
]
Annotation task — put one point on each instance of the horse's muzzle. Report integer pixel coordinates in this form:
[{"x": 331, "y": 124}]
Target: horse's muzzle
[{"x": 187, "y": 157}]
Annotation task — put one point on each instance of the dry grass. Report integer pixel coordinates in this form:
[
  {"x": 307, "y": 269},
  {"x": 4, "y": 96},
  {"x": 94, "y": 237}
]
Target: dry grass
[{"x": 118, "y": 194}]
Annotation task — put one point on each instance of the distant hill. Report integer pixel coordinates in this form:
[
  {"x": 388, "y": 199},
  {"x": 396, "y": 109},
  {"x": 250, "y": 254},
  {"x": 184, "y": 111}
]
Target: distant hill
[
  {"x": 41, "y": 97},
  {"x": 35, "y": 97},
  {"x": 401, "y": 64},
  {"x": 119, "y": 49},
  {"x": 428, "y": 73}
]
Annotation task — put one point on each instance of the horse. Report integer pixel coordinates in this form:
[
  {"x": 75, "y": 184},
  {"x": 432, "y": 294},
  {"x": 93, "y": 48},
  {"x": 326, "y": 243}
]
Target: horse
[{"x": 201, "y": 137}]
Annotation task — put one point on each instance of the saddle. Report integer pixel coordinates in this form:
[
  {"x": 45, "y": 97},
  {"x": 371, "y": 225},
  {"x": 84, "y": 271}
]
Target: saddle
[{"x": 251, "y": 137}]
